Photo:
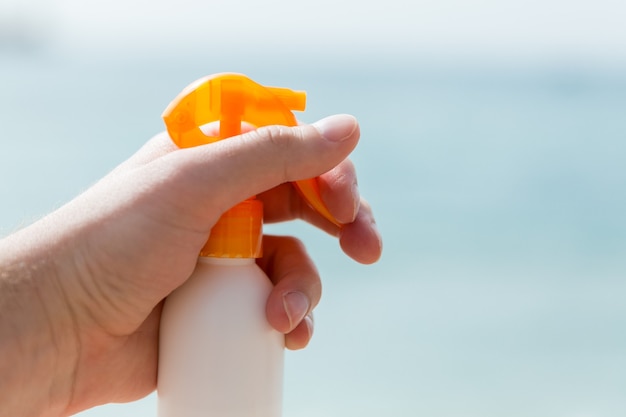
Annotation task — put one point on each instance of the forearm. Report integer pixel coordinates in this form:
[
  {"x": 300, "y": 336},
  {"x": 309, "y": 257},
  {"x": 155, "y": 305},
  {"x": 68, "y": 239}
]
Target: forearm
[{"x": 37, "y": 341}]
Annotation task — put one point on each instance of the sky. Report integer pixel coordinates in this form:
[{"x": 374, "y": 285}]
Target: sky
[{"x": 530, "y": 29}]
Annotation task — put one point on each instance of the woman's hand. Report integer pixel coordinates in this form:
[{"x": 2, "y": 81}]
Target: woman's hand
[{"x": 81, "y": 290}]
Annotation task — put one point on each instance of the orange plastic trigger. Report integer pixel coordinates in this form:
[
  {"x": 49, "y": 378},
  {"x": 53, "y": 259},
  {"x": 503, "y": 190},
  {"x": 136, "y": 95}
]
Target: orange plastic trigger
[
  {"x": 310, "y": 191},
  {"x": 231, "y": 99}
]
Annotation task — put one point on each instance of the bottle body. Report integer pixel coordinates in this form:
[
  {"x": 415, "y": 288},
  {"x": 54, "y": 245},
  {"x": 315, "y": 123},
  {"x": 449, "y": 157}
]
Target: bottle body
[{"x": 218, "y": 355}]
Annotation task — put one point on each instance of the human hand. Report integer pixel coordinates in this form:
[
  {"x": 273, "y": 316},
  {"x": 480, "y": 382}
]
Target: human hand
[{"x": 86, "y": 283}]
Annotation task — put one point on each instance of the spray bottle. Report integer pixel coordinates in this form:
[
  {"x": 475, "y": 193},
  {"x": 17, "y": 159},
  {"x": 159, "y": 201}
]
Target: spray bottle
[{"x": 218, "y": 355}]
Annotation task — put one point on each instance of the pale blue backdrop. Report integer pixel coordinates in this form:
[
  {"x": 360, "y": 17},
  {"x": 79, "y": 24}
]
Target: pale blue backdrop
[{"x": 494, "y": 163}]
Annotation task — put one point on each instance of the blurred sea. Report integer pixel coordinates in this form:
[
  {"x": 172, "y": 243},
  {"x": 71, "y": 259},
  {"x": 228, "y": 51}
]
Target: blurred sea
[{"x": 500, "y": 194}]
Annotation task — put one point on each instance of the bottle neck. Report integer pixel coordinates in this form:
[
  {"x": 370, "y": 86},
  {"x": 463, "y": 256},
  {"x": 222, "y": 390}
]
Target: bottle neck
[{"x": 238, "y": 233}]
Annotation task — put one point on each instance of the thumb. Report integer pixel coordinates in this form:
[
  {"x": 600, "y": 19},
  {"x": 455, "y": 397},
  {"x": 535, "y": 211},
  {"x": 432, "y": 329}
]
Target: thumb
[{"x": 224, "y": 173}]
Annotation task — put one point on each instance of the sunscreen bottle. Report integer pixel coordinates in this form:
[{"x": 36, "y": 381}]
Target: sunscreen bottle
[{"x": 218, "y": 355}]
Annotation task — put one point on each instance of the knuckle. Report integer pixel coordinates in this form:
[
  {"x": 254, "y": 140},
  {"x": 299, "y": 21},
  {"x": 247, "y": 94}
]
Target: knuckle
[
  {"x": 347, "y": 173},
  {"x": 279, "y": 136},
  {"x": 366, "y": 207},
  {"x": 294, "y": 244},
  {"x": 281, "y": 141}
]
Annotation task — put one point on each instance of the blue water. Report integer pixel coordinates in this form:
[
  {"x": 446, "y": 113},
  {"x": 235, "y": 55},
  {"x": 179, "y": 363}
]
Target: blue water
[{"x": 499, "y": 192}]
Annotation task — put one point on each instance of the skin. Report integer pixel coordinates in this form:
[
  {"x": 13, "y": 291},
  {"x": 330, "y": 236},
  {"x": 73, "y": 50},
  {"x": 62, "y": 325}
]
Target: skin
[{"x": 81, "y": 290}]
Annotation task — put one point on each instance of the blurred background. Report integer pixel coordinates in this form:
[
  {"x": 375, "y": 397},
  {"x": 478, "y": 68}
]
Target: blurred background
[{"x": 492, "y": 151}]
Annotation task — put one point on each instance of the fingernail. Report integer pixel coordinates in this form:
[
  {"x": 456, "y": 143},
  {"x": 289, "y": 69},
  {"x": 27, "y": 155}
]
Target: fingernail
[
  {"x": 378, "y": 236},
  {"x": 309, "y": 325},
  {"x": 356, "y": 200},
  {"x": 296, "y": 306},
  {"x": 336, "y": 128}
]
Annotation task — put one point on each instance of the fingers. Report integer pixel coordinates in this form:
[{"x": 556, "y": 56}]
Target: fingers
[
  {"x": 361, "y": 239},
  {"x": 297, "y": 289},
  {"x": 300, "y": 337},
  {"x": 340, "y": 193},
  {"x": 229, "y": 171},
  {"x": 338, "y": 189}
]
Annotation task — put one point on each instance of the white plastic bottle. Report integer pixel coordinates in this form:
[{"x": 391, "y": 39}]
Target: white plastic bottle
[{"x": 218, "y": 355}]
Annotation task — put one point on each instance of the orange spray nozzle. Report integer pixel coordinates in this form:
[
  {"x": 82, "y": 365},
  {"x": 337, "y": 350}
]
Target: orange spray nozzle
[{"x": 231, "y": 99}]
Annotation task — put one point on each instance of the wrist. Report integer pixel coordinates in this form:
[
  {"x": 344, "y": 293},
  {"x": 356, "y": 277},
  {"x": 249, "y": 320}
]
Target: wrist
[{"x": 38, "y": 341}]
